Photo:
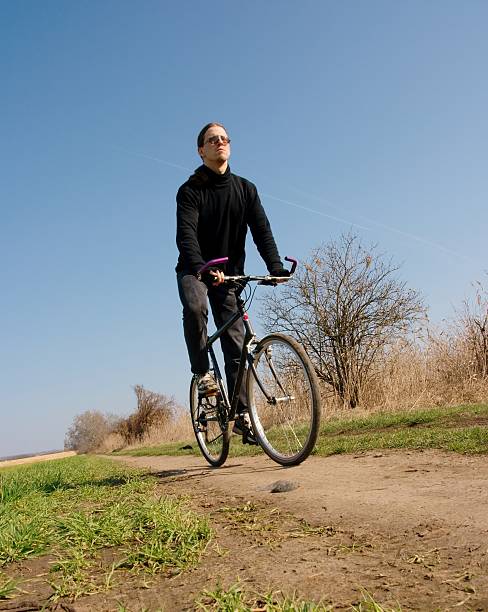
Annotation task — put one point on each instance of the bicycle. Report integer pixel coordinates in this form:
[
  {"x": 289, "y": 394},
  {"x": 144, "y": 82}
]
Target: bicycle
[{"x": 282, "y": 390}]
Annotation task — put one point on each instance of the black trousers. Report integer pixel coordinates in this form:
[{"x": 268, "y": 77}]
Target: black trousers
[{"x": 194, "y": 296}]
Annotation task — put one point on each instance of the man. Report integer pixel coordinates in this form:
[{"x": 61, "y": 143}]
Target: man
[{"x": 214, "y": 210}]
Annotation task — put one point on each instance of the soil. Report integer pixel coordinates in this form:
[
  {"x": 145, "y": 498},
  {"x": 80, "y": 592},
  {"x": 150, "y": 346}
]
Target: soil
[{"x": 410, "y": 528}]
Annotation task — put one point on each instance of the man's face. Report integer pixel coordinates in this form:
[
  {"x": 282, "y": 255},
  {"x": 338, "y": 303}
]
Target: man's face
[{"x": 215, "y": 149}]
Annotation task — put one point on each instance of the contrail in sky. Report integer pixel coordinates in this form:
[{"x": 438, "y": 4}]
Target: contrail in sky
[
  {"x": 407, "y": 235},
  {"x": 388, "y": 228},
  {"x": 312, "y": 210},
  {"x": 156, "y": 159}
]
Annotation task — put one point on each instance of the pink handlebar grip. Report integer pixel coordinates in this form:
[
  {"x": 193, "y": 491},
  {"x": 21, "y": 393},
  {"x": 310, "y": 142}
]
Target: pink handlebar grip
[
  {"x": 293, "y": 262},
  {"x": 213, "y": 262}
]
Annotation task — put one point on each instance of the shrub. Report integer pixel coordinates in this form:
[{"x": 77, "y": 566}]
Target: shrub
[
  {"x": 153, "y": 410},
  {"x": 88, "y": 431}
]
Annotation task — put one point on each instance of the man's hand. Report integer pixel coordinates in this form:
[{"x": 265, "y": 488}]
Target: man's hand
[
  {"x": 280, "y": 272},
  {"x": 213, "y": 277},
  {"x": 218, "y": 276}
]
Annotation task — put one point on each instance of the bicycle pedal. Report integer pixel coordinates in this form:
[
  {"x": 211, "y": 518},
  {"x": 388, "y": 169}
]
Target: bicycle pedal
[
  {"x": 248, "y": 438},
  {"x": 208, "y": 394}
]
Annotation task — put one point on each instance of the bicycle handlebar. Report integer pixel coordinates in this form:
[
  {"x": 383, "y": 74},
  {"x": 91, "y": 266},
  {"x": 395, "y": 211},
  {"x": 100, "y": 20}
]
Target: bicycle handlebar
[
  {"x": 271, "y": 281},
  {"x": 294, "y": 264},
  {"x": 213, "y": 262},
  {"x": 222, "y": 260}
]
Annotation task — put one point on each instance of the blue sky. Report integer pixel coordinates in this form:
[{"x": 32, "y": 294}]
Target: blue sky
[{"x": 370, "y": 116}]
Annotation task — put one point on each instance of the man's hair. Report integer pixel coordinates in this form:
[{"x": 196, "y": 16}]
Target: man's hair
[{"x": 201, "y": 135}]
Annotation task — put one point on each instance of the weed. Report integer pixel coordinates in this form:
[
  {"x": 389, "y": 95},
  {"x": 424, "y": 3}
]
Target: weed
[
  {"x": 220, "y": 551},
  {"x": 275, "y": 602},
  {"x": 122, "y": 608},
  {"x": 234, "y": 599},
  {"x": 72, "y": 577},
  {"x": 230, "y": 600},
  {"x": 357, "y": 546},
  {"x": 7, "y": 587},
  {"x": 305, "y": 529},
  {"x": 368, "y": 604}
]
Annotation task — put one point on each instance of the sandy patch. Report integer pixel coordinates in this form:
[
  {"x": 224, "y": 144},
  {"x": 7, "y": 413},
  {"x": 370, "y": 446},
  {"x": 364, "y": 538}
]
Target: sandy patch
[{"x": 37, "y": 458}]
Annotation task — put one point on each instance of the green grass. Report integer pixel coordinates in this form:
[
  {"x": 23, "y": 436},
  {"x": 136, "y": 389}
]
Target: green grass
[
  {"x": 236, "y": 599},
  {"x": 368, "y": 604},
  {"x": 408, "y": 418},
  {"x": 79, "y": 508},
  {"x": 472, "y": 440},
  {"x": 237, "y": 449},
  {"x": 451, "y": 428}
]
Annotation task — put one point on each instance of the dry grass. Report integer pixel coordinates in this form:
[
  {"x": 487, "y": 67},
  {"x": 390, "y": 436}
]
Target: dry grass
[
  {"x": 439, "y": 371},
  {"x": 176, "y": 429},
  {"x": 113, "y": 442}
]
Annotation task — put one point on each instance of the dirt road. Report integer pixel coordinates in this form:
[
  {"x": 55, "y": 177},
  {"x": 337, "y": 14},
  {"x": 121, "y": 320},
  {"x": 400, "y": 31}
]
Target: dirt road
[{"x": 409, "y": 527}]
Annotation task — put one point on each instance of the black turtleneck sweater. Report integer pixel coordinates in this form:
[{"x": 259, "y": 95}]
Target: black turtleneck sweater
[{"x": 212, "y": 216}]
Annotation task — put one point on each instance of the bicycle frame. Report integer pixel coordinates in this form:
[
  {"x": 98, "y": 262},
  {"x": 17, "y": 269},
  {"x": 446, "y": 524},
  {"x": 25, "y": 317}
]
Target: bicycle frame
[{"x": 249, "y": 336}]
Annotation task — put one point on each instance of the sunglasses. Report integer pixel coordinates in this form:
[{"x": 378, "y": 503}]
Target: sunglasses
[{"x": 213, "y": 140}]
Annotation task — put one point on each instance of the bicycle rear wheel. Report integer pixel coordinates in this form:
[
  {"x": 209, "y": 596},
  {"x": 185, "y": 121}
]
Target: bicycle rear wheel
[
  {"x": 284, "y": 399},
  {"x": 210, "y": 425}
]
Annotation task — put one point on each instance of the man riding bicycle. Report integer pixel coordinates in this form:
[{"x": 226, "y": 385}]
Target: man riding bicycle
[{"x": 214, "y": 209}]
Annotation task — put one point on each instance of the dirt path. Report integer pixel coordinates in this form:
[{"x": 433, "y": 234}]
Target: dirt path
[
  {"x": 388, "y": 490},
  {"x": 410, "y": 527}
]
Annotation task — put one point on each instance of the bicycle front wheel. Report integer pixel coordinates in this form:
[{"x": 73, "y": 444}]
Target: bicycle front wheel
[
  {"x": 210, "y": 425},
  {"x": 284, "y": 399}
]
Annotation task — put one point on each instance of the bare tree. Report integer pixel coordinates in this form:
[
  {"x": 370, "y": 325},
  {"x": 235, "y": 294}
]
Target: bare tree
[
  {"x": 88, "y": 431},
  {"x": 345, "y": 306},
  {"x": 152, "y": 409}
]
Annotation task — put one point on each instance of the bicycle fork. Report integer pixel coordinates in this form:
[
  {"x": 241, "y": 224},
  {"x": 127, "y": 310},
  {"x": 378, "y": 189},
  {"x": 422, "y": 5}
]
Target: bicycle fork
[{"x": 271, "y": 399}]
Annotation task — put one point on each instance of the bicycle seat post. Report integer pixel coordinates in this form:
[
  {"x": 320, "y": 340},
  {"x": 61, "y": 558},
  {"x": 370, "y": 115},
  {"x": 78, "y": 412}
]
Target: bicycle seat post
[{"x": 249, "y": 335}]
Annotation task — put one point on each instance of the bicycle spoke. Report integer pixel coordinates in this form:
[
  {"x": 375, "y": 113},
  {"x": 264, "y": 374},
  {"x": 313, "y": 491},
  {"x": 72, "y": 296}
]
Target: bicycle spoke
[
  {"x": 210, "y": 425},
  {"x": 284, "y": 404}
]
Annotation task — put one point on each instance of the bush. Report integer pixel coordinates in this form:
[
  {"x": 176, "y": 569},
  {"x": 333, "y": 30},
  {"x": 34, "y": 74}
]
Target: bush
[
  {"x": 153, "y": 410},
  {"x": 88, "y": 431}
]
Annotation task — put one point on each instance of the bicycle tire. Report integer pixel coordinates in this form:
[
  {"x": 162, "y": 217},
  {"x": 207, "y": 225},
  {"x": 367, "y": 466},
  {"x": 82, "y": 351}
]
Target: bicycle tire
[
  {"x": 287, "y": 424},
  {"x": 209, "y": 425}
]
